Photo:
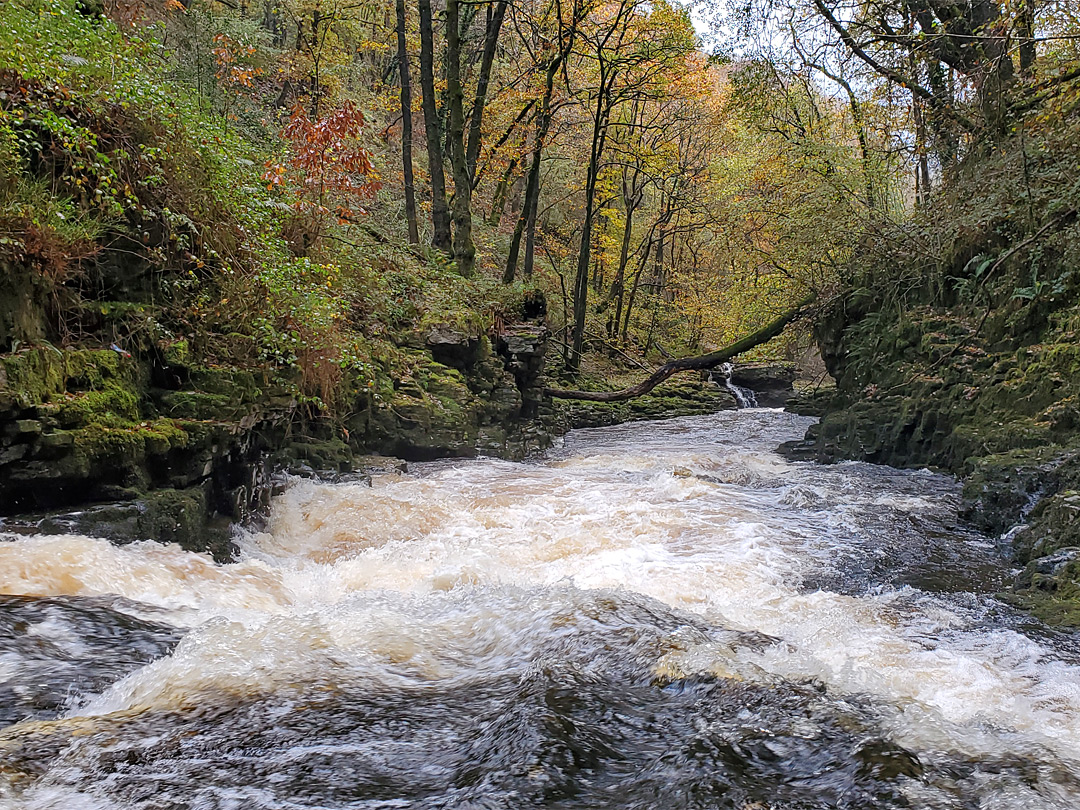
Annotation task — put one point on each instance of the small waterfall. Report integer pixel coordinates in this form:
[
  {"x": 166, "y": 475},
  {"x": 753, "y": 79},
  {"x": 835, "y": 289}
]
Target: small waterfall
[{"x": 744, "y": 397}]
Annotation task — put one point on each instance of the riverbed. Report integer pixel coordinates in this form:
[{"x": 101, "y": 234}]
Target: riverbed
[{"x": 654, "y": 615}]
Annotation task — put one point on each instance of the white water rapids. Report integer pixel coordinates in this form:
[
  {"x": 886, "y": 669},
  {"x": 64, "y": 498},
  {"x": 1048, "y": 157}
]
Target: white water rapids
[{"x": 662, "y": 614}]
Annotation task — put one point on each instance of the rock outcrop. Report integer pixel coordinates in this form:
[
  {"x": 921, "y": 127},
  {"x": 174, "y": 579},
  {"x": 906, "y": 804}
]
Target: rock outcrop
[
  {"x": 156, "y": 447},
  {"x": 998, "y": 408},
  {"x": 773, "y": 384}
]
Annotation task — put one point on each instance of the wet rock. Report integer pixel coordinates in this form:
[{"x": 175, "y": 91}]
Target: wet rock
[
  {"x": 319, "y": 455},
  {"x": 884, "y": 760},
  {"x": 452, "y": 347},
  {"x": 918, "y": 386},
  {"x": 380, "y": 465},
  {"x": 1003, "y": 488},
  {"x": 10, "y": 455},
  {"x": 678, "y": 397},
  {"x": 23, "y": 429},
  {"x": 523, "y": 349},
  {"x": 772, "y": 383},
  {"x": 161, "y": 448},
  {"x": 56, "y": 443},
  {"x": 813, "y": 401},
  {"x": 181, "y": 516},
  {"x": 1040, "y": 570}
]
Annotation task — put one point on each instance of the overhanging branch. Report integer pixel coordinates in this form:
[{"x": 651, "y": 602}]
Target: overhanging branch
[
  {"x": 891, "y": 74},
  {"x": 700, "y": 362}
]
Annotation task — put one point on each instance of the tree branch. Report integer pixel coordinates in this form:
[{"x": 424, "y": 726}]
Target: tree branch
[
  {"x": 703, "y": 361},
  {"x": 893, "y": 75}
]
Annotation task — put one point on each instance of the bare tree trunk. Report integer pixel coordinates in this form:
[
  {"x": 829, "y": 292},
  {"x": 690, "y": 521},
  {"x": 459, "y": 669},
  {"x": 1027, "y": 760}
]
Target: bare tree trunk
[
  {"x": 530, "y": 243},
  {"x": 498, "y": 201},
  {"x": 491, "y": 38},
  {"x": 527, "y": 216},
  {"x": 999, "y": 71},
  {"x": 478, "y": 174},
  {"x": 634, "y": 290},
  {"x": 1025, "y": 31},
  {"x": 440, "y": 213},
  {"x": 922, "y": 164},
  {"x": 406, "y": 126},
  {"x": 581, "y": 278},
  {"x": 618, "y": 286},
  {"x": 464, "y": 250}
]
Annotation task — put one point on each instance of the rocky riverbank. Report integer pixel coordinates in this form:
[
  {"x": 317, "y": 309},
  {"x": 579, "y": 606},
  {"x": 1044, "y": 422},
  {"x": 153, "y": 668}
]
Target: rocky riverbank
[
  {"x": 997, "y": 410},
  {"x": 158, "y": 447}
]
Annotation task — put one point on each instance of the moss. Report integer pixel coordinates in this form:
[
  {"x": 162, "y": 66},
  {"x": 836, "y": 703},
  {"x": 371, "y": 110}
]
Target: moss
[
  {"x": 447, "y": 387},
  {"x": 181, "y": 516},
  {"x": 680, "y": 397},
  {"x": 112, "y": 404},
  {"x": 78, "y": 382},
  {"x": 31, "y": 377},
  {"x": 327, "y": 455},
  {"x": 197, "y": 405},
  {"x": 1050, "y": 588},
  {"x": 927, "y": 378},
  {"x": 239, "y": 385},
  {"x": 130, "y": 443},
  {"x": 177, "y": 353}
]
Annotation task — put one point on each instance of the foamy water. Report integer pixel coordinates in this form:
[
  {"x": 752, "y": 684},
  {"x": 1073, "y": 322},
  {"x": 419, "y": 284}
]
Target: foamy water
[{"x": 680, "y": 615}]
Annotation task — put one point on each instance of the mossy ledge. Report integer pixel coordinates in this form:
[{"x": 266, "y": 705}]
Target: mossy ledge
[{"x": 155, "y": 447}]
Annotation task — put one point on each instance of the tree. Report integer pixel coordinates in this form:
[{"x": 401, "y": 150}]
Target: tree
[
  {"x": 327, "y": 172},
  {"x": 440, "y": 212},
  {"x": 697, "y": 363},
  {"x": 551, "y": 60},
  {"x": 464, "y": 250},
  {"x": 491, "y": 38},
  {"x": 630, "y": 46},
  {"x": 406, "y": 125}
]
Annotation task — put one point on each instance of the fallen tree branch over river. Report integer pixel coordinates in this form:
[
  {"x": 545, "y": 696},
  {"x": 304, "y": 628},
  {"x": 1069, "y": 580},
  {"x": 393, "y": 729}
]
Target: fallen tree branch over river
[{"x": 697, "y": 363}]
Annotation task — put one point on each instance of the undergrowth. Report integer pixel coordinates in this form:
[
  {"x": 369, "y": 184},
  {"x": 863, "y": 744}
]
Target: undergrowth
[{"x": 144, "y": 219}]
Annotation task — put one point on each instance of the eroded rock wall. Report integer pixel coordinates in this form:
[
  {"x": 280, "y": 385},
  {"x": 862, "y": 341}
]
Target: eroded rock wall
[{"x": 156, "y": 447}]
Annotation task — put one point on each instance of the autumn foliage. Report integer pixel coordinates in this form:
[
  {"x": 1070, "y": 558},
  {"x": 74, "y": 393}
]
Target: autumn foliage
[
  {"x": 230, "y": 56},
  {"x": 326, "y": 171}
]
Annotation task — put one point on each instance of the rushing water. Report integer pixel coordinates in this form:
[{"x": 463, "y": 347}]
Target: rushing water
[
  {"x": 744, "y": 397},
  {"x": 658, "y": 615}
]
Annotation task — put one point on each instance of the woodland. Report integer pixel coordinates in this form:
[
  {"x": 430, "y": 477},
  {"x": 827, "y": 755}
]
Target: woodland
[{"x": 669, "y": 176}]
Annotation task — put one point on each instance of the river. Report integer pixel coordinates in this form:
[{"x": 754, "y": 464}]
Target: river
[{"x": 655, "y": 615}]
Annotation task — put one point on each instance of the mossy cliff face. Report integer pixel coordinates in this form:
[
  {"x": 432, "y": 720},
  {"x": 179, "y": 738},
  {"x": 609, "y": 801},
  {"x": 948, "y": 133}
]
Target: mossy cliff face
[
  {"x": 955, "y": 344},
  {"x": 158, "y": 447},
  {"x": 86, "y": 426},
  {"x": 996, "y": 406},
  {"x": 462, "y": 396}
]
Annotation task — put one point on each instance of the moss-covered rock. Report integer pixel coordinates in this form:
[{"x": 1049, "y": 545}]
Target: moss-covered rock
[
  {"x": 181, "y": 516},
  {"x": 677, "y": 397},
  {"x": 181, "y": 444},
  {"x": 992, "y": 397}
]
